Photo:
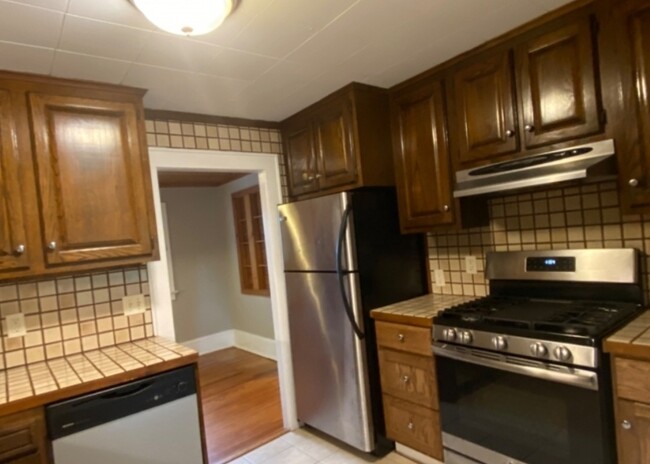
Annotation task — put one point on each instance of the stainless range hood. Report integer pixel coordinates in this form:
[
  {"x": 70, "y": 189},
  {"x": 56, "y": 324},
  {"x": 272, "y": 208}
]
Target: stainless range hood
[{"x": 594, "y": 161}]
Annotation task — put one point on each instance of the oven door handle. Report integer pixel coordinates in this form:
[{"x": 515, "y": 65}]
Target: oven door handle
[{"x": 576, "y": 377}]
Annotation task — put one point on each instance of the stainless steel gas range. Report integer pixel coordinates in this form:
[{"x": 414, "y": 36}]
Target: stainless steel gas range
[{"x": 521, "y": 374}]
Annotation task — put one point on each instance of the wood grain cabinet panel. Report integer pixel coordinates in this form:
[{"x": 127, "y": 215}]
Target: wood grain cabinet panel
[
  {"x": 559, "y": 98},
  {"x": 339, "y": 143},
  {"x": 421, "y": 156},
  {"x": 484, "y": 102},
  {"x": 633, "y": 432},
  {"x": 90, "y": 171},
  {"x": 404, "y": 337},
  {"x": 415, "y": 426},
  {"x": 23, "y": 438},
  {"x": 632, "y": 379},
  {"x": 15, "y": 251},
  {"x": 409, "y": 377}
]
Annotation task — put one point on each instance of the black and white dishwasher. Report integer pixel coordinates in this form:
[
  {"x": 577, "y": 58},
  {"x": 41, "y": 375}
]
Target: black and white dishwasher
[{"x": 154, "y": 420}]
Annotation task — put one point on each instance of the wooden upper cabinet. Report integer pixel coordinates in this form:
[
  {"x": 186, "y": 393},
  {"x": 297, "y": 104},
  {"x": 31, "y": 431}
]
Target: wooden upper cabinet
[
  {"x": 15, "y": 251},
  {"x": 559, "y": 98},
  {"x": 626, "y": 84},
  {"x": 339, "y": 143},
  {"x": 484, "y": 100},
  {"x": 92, "y": 198},
  {"x": 422, "y": 164},
  {"x": 334, "y": 145},
  {"x": 534, "y": 90}
]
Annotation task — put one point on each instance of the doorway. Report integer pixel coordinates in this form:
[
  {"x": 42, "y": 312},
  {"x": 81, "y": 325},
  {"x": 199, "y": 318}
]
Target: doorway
[{"x": 266, "y": 167}]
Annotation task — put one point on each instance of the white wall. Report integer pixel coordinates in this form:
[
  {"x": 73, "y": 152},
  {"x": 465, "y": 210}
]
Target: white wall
[{"x": 206, "y": 270}]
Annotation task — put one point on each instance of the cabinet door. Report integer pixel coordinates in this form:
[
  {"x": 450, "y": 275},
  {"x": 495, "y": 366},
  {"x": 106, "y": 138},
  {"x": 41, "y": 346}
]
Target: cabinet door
[
  {"x": 23, "y": 438},
  {"x": 630, "y": 55},
  {"x": 633, "y": 432},
  {"x": 558, "y": 87},
  {"x": 334, "y": 144},
  {"x": 14, "y": 249},
  {"x": 484, "y": 106},
  {"x": 300, "y": 157},
  {"x": 421, "y": 158},
  {"x": 91, "y": 183}
]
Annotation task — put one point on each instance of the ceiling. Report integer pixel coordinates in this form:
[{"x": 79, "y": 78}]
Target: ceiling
[{"x": 269, "y": 59}]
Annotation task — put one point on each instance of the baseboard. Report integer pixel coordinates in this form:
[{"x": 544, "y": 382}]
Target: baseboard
[
  {"x": 260, "y": 346},
  {"x": 213, "y": 342},
  {"x": 415, "y": 455}
]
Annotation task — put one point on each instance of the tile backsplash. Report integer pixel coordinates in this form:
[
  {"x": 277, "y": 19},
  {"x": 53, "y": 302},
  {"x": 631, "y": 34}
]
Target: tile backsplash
[
  {"x": 72, "y": 314},
  {"x": 585, "y": 216}
]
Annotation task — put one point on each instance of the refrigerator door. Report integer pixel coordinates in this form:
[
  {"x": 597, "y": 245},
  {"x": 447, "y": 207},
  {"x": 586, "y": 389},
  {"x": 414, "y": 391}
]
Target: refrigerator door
[
  {"x": 310, "y": 233},
  {"x": 330, "y": 370}
]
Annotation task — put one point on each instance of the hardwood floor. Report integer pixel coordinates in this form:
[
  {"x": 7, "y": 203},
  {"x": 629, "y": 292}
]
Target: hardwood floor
[{"x": 241, "y": 402}]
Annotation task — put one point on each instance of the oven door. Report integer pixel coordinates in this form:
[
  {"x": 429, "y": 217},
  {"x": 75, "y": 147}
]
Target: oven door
[{"x": 498, "y": 409}]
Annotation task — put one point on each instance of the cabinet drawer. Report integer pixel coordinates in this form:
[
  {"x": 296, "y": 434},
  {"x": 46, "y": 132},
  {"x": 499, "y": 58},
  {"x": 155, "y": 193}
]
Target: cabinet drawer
[
  {"x": 408, "y": 376},
  {"x": 22, "y": 437},
  {"x": 632, "y": 380},
  {"x": 404, "y": 337},
  {"x": 414, "y": 426}
]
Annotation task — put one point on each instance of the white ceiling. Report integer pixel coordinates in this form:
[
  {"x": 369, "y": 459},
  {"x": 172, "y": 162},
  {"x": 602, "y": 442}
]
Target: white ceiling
[{"x": 269, "y": 59}]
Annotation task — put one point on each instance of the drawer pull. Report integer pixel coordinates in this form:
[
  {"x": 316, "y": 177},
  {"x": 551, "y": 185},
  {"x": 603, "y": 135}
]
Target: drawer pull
[
  {"x": 410, "y": 426},
  {"x": 626, "y": 424},
  {"x": 406, "y": 379},
  {"x": 401, "y": 338}
]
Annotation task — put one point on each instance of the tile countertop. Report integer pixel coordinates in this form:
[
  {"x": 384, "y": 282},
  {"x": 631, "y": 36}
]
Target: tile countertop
[
  {"x": 633, "y": 340},
  {"x": 418, "y": 311},
  {"x": 57, "y": 379}
]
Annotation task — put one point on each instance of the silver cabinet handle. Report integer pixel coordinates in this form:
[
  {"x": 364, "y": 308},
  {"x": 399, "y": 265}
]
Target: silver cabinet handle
[
  {"x": 529, "y": 127},
  {"x": 633, "y": 182},
  {"x": 406, "y": 379},
  {"x": 51, "y": 246},
  {"x": 510, "y": 133},
  {"x": 445, "y": 208},
  {"x": 626, "y": 424},
  {"x": 20, "y": 249},
  {"x": 410, "y": 426},
  {"x": 400, "y": 337}
]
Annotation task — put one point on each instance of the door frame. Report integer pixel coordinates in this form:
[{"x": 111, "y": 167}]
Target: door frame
[{"x": 267, "y": 167}]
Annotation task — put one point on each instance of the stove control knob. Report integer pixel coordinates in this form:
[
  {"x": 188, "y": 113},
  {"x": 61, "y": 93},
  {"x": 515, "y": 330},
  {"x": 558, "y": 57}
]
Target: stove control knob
[
  {"x": 538, "y": 349},
  {"x": 499, "y": 343},
  {"x": 466, "y": 337},
  {"x": 449, "y": 335},
  {"x": 562, "y": 353}
]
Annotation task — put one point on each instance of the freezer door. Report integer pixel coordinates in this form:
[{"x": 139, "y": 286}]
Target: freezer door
[
  {"x": 310, "y": 232},
  {"x": 329, "y": 362}
]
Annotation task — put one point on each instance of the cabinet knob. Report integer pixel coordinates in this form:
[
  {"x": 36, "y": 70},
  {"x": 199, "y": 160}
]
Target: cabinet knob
[
  {"x": 317, "y": 176},
  {"x": 633, "y": 182},
  {"x": 510, "y": 133},
  {"x": 406, "y": 379},
  {"x": 529, "y": 127},
  {"x": 445, "y": 207},
  {"x": 51, "y": 246},
  {"x": 400, "y": 337},
  {"x": 626, "y": 424},
  {"x": 410, "y": 426},
  {"x": 20, "y": 249}
]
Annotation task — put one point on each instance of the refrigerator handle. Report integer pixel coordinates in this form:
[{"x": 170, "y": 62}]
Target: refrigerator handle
[{"x": 341, "y": 273}]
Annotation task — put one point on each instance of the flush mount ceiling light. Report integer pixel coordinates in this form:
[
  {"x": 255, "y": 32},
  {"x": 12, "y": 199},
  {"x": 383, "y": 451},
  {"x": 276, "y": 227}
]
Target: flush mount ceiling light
[{"x": 186, "y": 17}]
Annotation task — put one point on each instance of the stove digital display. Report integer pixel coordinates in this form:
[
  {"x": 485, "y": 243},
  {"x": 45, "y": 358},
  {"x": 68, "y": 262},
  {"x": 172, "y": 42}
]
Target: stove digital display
[{"x": 551, "y": 264}]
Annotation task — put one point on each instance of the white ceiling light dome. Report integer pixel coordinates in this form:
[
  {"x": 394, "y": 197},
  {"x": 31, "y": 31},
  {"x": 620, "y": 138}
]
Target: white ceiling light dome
[{"x": 186, "y": 17}]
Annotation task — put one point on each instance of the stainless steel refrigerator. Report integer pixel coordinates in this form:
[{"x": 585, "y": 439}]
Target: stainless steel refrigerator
[{"x": 343, "y": 256}]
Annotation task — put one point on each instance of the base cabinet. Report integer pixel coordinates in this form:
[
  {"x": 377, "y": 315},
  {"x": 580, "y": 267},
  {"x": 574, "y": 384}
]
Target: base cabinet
[
  {"x": 408, "y": 383},
  {"x": 23, "y": 438}
]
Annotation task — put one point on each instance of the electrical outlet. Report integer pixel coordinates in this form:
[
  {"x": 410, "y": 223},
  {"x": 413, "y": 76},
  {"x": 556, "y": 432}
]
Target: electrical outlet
[
  {"x": 133, "y": 304},
  {"x": 16, "y": 325},
  {"x": 470, "y": 264},
  {"x": 439, "y": 277}
]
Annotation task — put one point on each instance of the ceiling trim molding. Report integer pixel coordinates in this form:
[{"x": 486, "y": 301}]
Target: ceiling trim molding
[{"x": 208, "y": 119}]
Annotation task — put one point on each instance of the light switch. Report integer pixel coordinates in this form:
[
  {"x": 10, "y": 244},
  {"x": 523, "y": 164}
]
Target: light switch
[
  {"x": 16, "y": 325},
  {"x": 133, "y": 304},
  {"x": 470, "y": 264},
  {"x": 439, "y": 277}
]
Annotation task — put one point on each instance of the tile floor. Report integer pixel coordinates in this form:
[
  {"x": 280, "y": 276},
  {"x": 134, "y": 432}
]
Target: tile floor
[{"x": 304, "y": 447}]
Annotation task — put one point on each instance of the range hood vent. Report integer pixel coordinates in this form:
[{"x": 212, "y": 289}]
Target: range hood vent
[{"x": 593, "y": 161}]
